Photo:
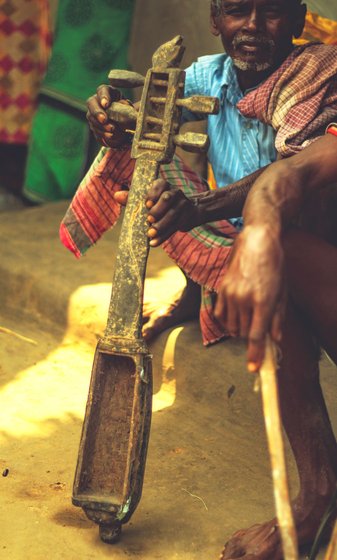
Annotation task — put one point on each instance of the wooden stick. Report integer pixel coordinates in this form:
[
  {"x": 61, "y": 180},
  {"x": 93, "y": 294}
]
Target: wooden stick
[
  {"x": 272, "y": 416},
  {"x": 332, "y": 548}
]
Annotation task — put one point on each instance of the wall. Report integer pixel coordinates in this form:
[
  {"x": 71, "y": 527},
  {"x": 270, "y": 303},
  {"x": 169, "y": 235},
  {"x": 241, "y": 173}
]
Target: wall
[
  {"x": 157, "y": 21},
  {"x": 325, "y": 8}
]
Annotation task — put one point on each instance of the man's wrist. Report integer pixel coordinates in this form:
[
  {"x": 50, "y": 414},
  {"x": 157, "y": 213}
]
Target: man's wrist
[{"x": 208, "y": 206}]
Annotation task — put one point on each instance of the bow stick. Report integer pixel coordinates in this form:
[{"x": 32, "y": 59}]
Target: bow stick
[{"x": 272, "y": 418}]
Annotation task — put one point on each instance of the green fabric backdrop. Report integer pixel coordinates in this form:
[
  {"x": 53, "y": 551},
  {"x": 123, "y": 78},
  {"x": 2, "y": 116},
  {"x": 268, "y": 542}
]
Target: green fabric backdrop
[{"x": 91, "y": 37}]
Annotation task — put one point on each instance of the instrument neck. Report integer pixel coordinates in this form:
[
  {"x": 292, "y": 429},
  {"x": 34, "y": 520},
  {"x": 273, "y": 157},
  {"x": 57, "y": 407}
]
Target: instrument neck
[{"x": 126, "y": 304}]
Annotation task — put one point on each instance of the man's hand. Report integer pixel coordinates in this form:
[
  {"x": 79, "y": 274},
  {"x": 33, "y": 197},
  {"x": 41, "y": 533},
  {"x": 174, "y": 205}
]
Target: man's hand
[
  {"x": 108, "y": 132},
  {"x": 251, "y": 302},
  {"x": 169, "y": 211}
]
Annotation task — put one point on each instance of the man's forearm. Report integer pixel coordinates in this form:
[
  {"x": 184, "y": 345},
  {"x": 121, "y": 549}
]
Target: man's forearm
[
  {"x": 278, "y": 195},
  {"x": 224, "y": 203},
  {"x": 273, "y": 195}
]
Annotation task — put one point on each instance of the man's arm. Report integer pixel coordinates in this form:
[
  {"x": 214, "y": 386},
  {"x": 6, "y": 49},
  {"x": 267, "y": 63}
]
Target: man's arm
[
  {"x": 250, "y": 301},
  {"x": 170, "y": 210},
  {"x": 280, "y": 193}
]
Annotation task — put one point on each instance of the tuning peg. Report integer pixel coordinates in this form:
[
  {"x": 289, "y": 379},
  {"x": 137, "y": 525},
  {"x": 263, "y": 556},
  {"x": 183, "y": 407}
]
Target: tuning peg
[
  {"x": 192, "y": 142},
  {"x": 200, "y": 104},
  {"x": 125, "y": 79},
  {"x": 120, "y": 112}
]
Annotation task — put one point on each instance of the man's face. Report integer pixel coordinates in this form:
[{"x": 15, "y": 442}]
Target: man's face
[{"x": 257, "y": 34}]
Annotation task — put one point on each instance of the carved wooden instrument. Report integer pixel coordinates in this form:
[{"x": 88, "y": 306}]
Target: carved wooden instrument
[{"x": 112, "y": 454}]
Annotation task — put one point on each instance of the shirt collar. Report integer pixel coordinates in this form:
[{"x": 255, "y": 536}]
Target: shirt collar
[{"x": 229, "y": 83}]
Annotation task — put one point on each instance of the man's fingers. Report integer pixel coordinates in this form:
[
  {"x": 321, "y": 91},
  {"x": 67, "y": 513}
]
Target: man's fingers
[
  {"x": 164, "y": 228},
  {"x": 220, "y": 309},
  {"x": 168, "y": 208},
  {"x": 232, "y": 323},
  {"x": 156, "y": 190},
  {"x": 106, "y": 95},
  {"x": 245, "y": 320},
  {"x": 97, "y": 104},
  {"x": 168, "y": 220},
  {"x": 121, "y": 197},
  {"x": 159, "y": 201},
  {"x": 163, "y": 205},
  {"x": 108, "y": 136},
  {"x": 155, "y": 239},
  {"x": 256, "y": 340},
  {"x": 98, "y": 128},
  {"x": 103, "y": 96},
  {"x": 279, "y": 315},
  {"x": 95, "y": 111},
  {"x": 276, "y": 326}
]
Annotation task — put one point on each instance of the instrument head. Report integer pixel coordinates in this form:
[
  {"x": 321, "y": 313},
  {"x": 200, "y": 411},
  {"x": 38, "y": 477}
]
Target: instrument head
[{"x": 170, "y": 54}]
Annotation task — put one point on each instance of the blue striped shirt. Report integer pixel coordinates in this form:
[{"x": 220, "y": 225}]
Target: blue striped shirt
[{"x": 239, "y": 146}]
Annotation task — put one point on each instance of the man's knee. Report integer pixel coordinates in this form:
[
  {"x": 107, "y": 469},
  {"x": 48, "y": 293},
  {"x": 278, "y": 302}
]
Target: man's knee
[{"x": 318, "y": 216}]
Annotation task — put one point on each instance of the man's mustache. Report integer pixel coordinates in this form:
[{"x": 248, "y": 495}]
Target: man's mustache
[{"x": 241, "y": 38}]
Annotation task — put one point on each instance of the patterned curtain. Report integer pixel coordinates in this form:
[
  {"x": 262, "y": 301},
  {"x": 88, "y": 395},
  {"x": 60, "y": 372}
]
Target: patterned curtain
[{"x": 25, "y": 40}]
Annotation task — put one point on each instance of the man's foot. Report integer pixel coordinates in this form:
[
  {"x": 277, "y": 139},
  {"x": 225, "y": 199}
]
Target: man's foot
[
  {"x": 263, "y": 542},
  {"x": 184, "y": 308}
]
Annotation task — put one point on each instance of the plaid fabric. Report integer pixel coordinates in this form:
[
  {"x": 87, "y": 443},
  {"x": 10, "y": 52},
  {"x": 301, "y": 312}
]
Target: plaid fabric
[
  {"x": 201, "y": 253},
  {"x": 93, "y": 209},
  {"x": 299, "y": 99}
]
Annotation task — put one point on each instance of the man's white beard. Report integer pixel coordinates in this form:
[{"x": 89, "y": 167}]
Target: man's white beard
[
  {"x": 251, "y": 65},
  {"x": 254, "y": 66}
]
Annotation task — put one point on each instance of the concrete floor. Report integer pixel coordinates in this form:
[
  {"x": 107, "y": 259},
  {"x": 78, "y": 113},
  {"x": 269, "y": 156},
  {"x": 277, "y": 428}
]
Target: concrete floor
[{"x": 208, "y": 469}]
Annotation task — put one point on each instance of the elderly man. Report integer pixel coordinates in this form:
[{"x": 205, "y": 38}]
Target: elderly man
[
  {"x": 286, "y": 234},
  {"x": 251, "y": 57}
]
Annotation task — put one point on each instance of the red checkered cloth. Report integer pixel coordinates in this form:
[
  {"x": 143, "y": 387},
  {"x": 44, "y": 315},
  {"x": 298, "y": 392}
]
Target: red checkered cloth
[{"x": 298, "y": 100}]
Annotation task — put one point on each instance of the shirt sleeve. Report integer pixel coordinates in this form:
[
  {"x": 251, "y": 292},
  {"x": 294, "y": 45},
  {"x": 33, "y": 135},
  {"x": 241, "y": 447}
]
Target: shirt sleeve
[{"x": 195, "y": 84}]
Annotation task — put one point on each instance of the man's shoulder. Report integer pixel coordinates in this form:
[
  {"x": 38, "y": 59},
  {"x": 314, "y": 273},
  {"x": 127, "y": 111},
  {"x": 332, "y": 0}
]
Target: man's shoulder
[
  {"x": 208, "y": 70},
  {"x": 212, "y": 62}
]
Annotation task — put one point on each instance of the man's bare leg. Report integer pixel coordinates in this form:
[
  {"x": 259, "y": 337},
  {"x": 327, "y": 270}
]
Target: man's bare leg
[
  {"x": 312, "y": 270},
  {"x": 185, "y": 307},
  {"x": 310, "y": 434}
]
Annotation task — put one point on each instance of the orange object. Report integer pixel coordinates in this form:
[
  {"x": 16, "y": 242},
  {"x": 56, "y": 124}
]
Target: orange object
[
  {"x": 318, "y": 28},
  {"x": 332, "y": 129}
]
